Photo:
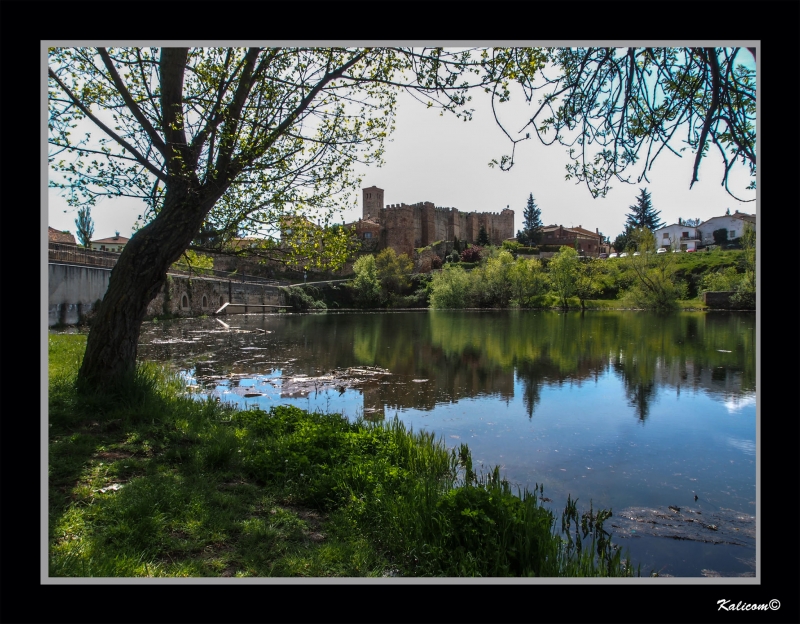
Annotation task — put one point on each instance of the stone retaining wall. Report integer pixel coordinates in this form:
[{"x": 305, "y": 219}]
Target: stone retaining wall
[
  {"x": 718, "y": 299},
  {"x": 75, "y": 290}
]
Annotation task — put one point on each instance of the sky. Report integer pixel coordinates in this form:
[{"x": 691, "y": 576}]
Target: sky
[{"x": 444, "y": 160}]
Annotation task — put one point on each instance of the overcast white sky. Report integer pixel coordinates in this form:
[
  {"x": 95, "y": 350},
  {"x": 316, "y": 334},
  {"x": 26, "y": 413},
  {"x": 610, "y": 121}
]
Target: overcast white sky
[{"x": 445, "y": 161}]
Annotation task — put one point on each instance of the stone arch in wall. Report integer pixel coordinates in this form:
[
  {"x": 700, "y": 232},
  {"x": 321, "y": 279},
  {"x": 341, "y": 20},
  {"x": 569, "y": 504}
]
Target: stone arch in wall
[
  {"x": 221, "y": 301},
  {"x": 205, "y": 302},
  {"x": 184, "y": 302}
]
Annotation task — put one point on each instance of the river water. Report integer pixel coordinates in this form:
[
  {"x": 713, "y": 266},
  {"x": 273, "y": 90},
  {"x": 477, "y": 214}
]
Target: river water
[{"x": 653, "y": 416}]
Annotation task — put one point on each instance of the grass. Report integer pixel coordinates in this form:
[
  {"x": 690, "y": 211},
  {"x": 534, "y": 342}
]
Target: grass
[{"x": 147, "y": 482}]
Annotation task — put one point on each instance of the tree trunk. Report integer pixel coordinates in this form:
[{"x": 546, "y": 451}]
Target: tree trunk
[{"x": 138, "y": 276}]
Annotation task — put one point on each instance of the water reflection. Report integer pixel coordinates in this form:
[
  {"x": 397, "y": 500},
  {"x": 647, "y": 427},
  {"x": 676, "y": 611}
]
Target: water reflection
[{"x": 463, "y": 354}]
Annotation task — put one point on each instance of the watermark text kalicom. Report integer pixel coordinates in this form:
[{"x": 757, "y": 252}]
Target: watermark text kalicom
[{"x": 726, "y": 605}]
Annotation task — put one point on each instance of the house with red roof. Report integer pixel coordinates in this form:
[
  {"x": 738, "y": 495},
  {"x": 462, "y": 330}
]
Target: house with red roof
[{"x": 114, "y": 243}]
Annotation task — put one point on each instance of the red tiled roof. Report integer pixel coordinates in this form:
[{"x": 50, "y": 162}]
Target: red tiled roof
[{"x": 55, "y": 236}]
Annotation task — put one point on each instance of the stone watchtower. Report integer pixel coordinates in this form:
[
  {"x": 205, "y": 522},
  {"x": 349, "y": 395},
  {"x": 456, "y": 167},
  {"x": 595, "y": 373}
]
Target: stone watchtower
[{"x": 372, "y": 203}]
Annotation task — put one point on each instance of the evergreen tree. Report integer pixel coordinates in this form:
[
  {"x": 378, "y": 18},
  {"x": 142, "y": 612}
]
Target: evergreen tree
[
  {"x": 642, "y": 215},
  {"x": 483, "y": 237},
  {"x": 85, "y": 225},
  {"x": 531, "y": 231}
]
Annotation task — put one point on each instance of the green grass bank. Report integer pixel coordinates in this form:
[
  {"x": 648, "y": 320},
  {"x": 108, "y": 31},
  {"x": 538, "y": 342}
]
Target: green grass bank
[{"x": 146, "y": 482}]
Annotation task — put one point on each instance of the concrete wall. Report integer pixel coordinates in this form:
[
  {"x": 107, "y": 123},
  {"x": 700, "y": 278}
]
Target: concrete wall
[{"x": 74, "y": 290}]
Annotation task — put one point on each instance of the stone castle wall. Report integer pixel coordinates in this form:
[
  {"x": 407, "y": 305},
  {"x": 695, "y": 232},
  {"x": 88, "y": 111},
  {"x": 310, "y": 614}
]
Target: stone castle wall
[{"x": 405, "y": 227}]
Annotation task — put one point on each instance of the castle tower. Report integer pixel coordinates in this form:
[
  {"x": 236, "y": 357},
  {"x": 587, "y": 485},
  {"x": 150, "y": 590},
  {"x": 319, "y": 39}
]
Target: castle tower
[{"x": 372, "y": 202}]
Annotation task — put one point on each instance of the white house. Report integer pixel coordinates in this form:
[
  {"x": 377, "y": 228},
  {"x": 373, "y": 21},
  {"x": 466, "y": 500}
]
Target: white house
[
  {"x": 115, "y": 243},
  {"x": 677, "y": 236},
  {"x": 734, "y": 224}
]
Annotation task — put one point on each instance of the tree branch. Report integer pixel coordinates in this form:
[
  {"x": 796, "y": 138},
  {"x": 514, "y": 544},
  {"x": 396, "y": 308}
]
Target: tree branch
[
  {"x": 122, "y": 142},
  {"x": 132, "y": 106},
  {"x": 279, "y": 130},
  {"x": 710, "y": 55},
  {"x": 173, "y": 63}
]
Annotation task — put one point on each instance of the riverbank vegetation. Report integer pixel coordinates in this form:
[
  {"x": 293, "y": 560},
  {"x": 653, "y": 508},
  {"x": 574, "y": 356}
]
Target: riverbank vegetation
[
  {"x": 147, "y": 481},
  {"x": 506, "y": 277}
]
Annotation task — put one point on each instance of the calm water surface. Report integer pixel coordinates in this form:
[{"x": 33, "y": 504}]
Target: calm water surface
[{"x": 628, "y": 410}]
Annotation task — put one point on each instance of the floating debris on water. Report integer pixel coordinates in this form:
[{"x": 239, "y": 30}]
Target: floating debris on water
[{"x": 723, "y": 526}]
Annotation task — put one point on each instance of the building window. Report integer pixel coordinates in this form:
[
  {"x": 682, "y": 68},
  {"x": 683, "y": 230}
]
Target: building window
[
  {"x": 732, "y": 234},
  {"x": 666, "y": 235},
  {"x": 221, "y": 301},
  {"x": 205, "y": 302},
  {"x": 367, "y": 234},
  {"x": 684, "y": 234},
  {"x": 184, "y": 302}
]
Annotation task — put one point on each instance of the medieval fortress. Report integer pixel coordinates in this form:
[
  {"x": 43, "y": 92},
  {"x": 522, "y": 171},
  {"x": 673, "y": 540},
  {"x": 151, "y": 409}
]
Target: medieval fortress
[{"x": 406, "y": 227}]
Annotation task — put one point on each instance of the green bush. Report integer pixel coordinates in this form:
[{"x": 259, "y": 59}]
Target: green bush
[{"x": 301, "y": 299}]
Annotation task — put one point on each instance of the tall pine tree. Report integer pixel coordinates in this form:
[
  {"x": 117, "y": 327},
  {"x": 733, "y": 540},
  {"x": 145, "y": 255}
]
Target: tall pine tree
[
  {"x": 531, "y": 231},
  {"x": 642, "y": 215},
  {"x": 85, "y": 225}
]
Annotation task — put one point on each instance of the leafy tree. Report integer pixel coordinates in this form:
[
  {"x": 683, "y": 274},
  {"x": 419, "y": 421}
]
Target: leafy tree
[
  {"x": 528, "y": 281},
  {"x": 563, "y": 269},
  {"x": 85, "y": 225},
  {"x": 690, "y": 222},
  {"x": 588, "y": 280},
  {"x": 199, "y": 263},
  {"x": 367, "y": 284},
  {"x": 654, "y": 287},
  {"x": 629, "y": 104},
  {"x": 483, "y": 237},
  {"x": 643, "y": 215},
  {"x": 495, "y": 283},
  {"x": 620, "y": 242},
  {"x": 531, "y": 232},
  {"x": 393, "y": 271},
  {"x": 450, "y": 288},
  {"x": 217, "y": 139}
]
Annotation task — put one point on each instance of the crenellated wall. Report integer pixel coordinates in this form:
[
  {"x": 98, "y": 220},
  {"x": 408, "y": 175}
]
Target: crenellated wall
[{"x": 405, "y": 227}]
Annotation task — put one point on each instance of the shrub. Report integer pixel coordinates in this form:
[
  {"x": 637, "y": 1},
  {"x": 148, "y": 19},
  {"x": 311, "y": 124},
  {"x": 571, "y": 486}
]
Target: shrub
[
  {"x": 300, "y": 300},
  {"x": 472, "y": 254}
]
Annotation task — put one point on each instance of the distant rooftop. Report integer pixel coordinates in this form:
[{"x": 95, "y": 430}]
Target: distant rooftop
[
  {"x": 56, "y": 236},
  {"x": 113, "y": 240}
]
